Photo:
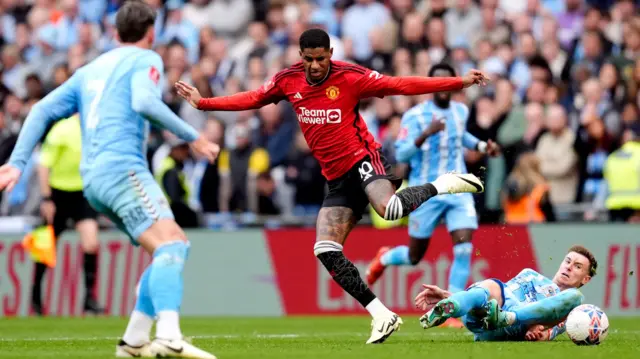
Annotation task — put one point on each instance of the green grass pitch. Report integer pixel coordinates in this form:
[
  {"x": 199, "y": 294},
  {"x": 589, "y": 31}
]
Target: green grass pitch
[{"x": 300, "y": 338}]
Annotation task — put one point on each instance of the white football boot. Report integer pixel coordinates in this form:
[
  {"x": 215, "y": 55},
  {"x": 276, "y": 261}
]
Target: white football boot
[
  {"x": 124, "y": 350},
  {"x": 451, "y": 183},
  {"x": 164, "y": 348},
  {"x": 383, "y": 326}
]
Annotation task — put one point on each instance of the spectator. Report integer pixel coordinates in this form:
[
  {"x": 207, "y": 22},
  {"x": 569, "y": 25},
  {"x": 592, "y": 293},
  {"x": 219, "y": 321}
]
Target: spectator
[
  {"x": 276, "y": 132},
  {"x": 358, "y": 21},
  {"x": 207, "y": 188},
  {"x": 305, "y": 174},
  {"x": 173, "y": 182},
  {"x": 570, "y": 22},
  {"x": 14, "y": 72},
  {"x": 622, "y": 176},
  {"x": 526, "y": 195},
  {"x": 239, "y": 171},
  {"x": 462, "y": 21},
  {"x": 67, "y": 25},
  {"x": 558, "y": 159},
  {"x": 229, "y": 19},
  {"x": 178, "y": 28}
]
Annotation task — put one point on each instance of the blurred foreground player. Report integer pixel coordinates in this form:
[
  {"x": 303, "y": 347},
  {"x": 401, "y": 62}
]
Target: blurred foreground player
[
  {"x": 431, "y": 141},
  {"x": 116, "y": 95},
  {"x": 61, "y": 189},
  {"x": 528, "y": 307},
  {"x": 325, "y": 95}
]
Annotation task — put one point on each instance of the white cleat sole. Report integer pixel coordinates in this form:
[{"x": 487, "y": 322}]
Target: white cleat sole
[
  {"x": 178, "y": 349},
  {"x": 127, "y": 351},
  {"x": 383, "y": 328},
  {"x": 452, "y": 183}
]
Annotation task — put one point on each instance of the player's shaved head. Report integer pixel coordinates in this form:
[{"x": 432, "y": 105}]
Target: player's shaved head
[
  {"x": 133, "y": 21},
  {"x": 316, "y": 52}
]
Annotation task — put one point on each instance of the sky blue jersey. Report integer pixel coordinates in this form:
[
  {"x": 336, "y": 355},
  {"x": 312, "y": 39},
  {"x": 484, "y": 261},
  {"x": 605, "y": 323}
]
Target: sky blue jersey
[
  {"x": 530, "y": 286},
  {"x": 441, "y": 152},
  {"x": 116, "y": 95}
]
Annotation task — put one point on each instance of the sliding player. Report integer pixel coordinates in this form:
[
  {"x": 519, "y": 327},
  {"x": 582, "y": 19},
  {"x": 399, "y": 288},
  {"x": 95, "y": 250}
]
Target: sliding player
[
  {"x": 528, "y": 307},
  {"x": 325, "y": 95},
  {"x": 115, "y": 95}
]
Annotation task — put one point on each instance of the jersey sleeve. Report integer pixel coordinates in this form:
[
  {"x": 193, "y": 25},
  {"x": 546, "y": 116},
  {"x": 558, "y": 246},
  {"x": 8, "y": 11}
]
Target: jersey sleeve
[
  {"x": 270, "y": 92},
  {"x": 374, "y": 84},
  {"x": 146, "y": 97},
  {"x": 60, "y": 103},
  {"x": 409, "y": 132}
]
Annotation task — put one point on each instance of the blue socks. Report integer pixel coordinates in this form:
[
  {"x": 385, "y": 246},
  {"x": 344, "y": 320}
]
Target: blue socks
[
  {"x": 159, "y": 296},
  {"x": 472, "y": 298},
  {"x": 165, "y": 280},
  {"x": 549, "y": 310},
  {"x": 143, "y": 302},
  {"x": 461, "y": 267},
  {"x": 396, "y": 256}
]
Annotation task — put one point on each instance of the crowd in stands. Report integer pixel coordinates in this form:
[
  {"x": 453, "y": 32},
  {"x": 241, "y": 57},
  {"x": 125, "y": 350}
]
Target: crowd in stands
[{"x": 565, "y": 89}]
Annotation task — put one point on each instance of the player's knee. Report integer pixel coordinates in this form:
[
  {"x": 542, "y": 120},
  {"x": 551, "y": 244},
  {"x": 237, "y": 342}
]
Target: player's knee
[
  {"x": 493, "y": 289},
  {"x": 573, "y": 296},
  {"x": 380, "y": 209}
]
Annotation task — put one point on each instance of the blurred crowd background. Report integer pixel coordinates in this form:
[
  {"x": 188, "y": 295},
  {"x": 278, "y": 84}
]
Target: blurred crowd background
[{"x": 564, "y": 96}]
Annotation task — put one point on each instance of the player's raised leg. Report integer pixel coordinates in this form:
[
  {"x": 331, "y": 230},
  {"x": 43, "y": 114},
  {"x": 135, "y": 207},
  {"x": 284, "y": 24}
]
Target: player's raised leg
[
  {"x": 456, "y": 305},
  {"x": 332, "y": 228},
  {"x": 548, "y": 311},
  {"x": 393, "y": 206}
]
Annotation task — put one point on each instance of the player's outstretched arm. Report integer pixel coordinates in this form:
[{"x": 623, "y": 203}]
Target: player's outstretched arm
[
  {"x": 60, "y": 103},
  {"x": 374, "y": 84},
  {"x": 146, "y": 99},
  {"x": 241, "y": 101}
]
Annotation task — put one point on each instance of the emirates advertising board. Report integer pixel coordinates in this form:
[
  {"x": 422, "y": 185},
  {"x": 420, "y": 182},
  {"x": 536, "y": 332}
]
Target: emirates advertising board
[{"x": 274, "y": 272}]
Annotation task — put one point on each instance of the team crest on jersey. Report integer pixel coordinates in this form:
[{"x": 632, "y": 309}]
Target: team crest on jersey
[
  {"x": 403, "y": 133},
  {"x": 332, "y": 92},
  {"x": 548, "y": 291},
  {"x": 154, "y": 75}
]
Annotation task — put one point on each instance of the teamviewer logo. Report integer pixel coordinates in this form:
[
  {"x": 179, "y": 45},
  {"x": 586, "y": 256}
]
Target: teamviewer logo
[{"x": 334, "y": 116}]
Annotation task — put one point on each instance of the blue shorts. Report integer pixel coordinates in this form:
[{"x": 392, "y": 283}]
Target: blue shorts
[
  {"x": 473, "y": 321},
  {"x": 459, "y": 212},
  {"x": 132, "y": 199}
]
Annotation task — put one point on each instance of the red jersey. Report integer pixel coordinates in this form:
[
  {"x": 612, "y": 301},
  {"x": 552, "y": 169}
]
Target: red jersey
[{"x": 328, "y": 111}]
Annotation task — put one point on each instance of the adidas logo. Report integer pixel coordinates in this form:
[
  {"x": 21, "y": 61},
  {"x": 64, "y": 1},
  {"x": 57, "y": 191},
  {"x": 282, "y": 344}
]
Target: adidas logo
[{"x": 298, "y": 96}]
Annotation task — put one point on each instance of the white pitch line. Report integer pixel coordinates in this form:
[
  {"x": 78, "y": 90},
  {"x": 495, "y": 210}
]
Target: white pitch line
[
  {"x": 267, "y": 336},
  {"x": 222, "y": 336}
]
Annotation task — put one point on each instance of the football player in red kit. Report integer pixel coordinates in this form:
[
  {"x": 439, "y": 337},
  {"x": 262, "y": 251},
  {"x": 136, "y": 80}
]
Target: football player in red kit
[{"x": 325, "y": 95}]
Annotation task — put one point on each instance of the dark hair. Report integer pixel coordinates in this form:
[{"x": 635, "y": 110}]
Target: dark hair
[
  {"x": 442, "y": 66},
  {"x": 133, "y": 21},
  {"x": 593, "y": 263},
  {"x": 314, "y": 38}
]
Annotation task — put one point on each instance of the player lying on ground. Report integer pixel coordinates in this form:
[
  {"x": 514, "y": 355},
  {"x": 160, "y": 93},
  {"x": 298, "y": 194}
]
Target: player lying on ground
[
  {"x": 430, "y": 141},
  {"x": 530, "y": 306},
  {"x": 115, "y": 95},
  {"x": 325, "y": 95}
]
